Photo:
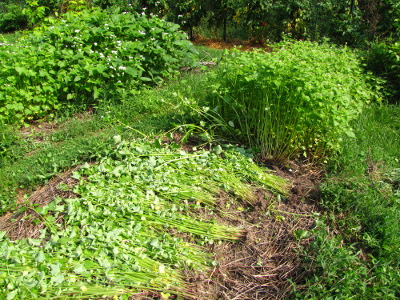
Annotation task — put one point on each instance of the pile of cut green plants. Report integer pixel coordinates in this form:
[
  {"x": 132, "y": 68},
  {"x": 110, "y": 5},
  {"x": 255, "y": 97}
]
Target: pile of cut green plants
[
  {"x": 298, "y": 99},
  {"x": 142, "y": 216},
  {"x": 83, "y": 58}
]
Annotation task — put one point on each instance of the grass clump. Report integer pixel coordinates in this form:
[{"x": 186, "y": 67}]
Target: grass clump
[
  {"x": 137, "y": 215},
  {"x": 298, "y": 99},
  {"x": 362, "y": 192}
]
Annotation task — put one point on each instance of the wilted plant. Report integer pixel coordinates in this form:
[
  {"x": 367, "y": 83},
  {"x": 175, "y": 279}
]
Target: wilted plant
[{"x": 135, "y": 225}]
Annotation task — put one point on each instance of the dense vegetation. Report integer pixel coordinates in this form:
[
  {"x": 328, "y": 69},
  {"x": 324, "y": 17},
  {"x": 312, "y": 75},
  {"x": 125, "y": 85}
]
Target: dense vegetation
[
  {"x": 300, "y": 98},
  {"x": 153, "y": 203},
  {"x": 343, "y": 21},
  {"x": 85, "y": 58},
  {"x": 358, "y": 254}
]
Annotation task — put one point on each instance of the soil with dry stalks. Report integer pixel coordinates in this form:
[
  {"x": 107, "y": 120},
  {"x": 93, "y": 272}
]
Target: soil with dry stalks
[
  {"x": 268, "y": 260},
  {"x": 25, "y": 222}
]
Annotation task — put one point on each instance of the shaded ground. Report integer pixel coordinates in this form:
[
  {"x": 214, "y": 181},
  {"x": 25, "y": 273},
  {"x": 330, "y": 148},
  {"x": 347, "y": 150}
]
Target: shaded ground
[{"x": 220, "y": 44}]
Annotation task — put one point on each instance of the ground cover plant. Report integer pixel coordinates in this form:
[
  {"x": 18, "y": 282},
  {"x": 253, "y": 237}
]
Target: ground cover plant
[
  {"x": 134, "y": 200},
  {"x": 356, "y": 253},
  {"x": 84, "y": 58},
  {"x": 298, "y": 99}
]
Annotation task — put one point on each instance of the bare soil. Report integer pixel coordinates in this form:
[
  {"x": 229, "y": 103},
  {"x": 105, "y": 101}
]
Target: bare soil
[{"x": 220, "y": 44}]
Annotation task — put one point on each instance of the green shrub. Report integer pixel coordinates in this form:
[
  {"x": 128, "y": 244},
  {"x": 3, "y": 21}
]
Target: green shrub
[
  {"x": 85, "y": 57},
  {"x": 298, "y": 99},
  {"x": 13, "y": 18}
]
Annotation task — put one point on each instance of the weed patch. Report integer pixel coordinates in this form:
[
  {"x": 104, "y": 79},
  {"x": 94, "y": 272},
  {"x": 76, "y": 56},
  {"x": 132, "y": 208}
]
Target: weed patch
[{"x": 357, "y": 253}]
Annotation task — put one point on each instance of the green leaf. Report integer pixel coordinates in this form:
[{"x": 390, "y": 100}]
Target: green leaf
[
  {"x": 55, "y": 269},
  {"x": 80, "y": 269},
  {"x": 117, "y": 139},
  {"x": 302, "y": 234},
  {"x": 11, "y": 295},
  {"x": 218, "y": 150},
  {"x": 96, "y": 92},
  {"x": 58, "y": 279},
  {"x": 40, "y": 257},
  {"x": 131, "y": 71}
]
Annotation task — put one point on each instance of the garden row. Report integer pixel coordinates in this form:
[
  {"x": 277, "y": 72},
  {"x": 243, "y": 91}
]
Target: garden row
[{"x": 152, "y": 203}]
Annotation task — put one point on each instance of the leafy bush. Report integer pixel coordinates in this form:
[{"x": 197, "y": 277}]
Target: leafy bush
[
  {"x": 13, "y": 18},
  {"x": 298, "y": 99},
  {"x": 84, "y": 57},
  {"x": 338, "y": 270}
]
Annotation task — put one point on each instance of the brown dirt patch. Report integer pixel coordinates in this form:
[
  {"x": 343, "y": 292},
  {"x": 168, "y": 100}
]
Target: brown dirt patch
[{"x": 38, "y": 130}]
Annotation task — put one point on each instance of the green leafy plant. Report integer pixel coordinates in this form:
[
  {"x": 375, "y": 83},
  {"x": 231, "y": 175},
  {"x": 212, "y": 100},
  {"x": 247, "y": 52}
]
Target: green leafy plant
[
  {"x": 356, "y": 253},
  {"x": 339, "y": 270},
  {"x": 82, "y": 59},
  {"x": 383, "y": 59},
  {"x": 298, "y": 99}
]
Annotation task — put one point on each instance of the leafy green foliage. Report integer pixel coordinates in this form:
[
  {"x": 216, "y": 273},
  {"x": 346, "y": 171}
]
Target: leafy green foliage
[
  {"x": 79, "y": 137},
  {"x": 50, "y": 159},
  {"x": 363, "y": 191},
  {"x": 133, "y": 201},
  {"x": 383, "y": 59},
  {"x": 84, "y": 58},
  {"x": 12, "y": 146},
  {"x": 299, "y": 99},
  {"x": 339, "y": 270},
  {"x": 12, "y": 18}
]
